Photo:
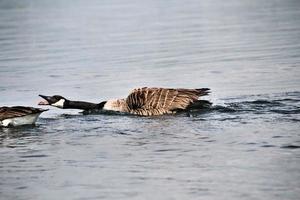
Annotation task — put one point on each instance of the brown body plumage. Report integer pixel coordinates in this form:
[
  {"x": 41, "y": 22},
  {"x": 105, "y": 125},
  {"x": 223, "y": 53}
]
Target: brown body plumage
[{"x": 156, "y": 101}]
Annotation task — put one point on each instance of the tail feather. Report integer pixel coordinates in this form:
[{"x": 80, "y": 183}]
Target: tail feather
[{"x": 203, "y": 91}]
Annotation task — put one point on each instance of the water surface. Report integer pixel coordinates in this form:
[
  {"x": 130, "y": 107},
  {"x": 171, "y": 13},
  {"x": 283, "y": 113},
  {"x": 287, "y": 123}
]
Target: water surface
[{"x": 246, "y": 147}]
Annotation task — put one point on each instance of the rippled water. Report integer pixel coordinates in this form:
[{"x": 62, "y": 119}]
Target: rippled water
[{"x": 247, "y": 146}]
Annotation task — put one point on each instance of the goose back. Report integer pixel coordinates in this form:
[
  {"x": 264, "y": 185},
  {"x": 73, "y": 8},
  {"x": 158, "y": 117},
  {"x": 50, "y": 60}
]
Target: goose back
[{"x": 157, "y": 101}]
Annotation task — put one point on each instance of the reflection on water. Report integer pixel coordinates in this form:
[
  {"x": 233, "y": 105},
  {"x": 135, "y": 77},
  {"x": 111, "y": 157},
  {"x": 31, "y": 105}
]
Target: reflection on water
[{"x": 245, "y": 147}]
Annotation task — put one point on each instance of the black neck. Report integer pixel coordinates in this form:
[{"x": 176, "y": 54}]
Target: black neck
[{"x": 81, "y": 105}]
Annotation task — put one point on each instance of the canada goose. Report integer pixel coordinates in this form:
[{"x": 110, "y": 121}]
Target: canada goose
[
  {"x": 142, "y": 101},
  {"x": 19, "y": 115}
]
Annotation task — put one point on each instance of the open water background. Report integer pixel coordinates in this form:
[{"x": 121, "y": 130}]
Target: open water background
[{"x": 246, "y": 147}]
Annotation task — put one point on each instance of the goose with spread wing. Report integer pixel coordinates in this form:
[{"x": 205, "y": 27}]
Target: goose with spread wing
[
  {"x": 141, "y": 101},
  {"x": 19, "y": 115}
]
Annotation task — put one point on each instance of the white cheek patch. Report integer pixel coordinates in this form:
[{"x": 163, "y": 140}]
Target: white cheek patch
[{"x": 59, "y": 104}]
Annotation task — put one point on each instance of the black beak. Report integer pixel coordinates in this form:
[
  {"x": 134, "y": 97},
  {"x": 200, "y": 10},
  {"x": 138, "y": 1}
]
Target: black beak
[{"x": 46, "y": 101}]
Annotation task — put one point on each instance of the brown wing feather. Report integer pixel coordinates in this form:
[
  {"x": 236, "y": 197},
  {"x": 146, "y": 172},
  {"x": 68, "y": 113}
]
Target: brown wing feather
[
  {"x": 17, "y": 111},
  {"x": 158, "y": 101}
]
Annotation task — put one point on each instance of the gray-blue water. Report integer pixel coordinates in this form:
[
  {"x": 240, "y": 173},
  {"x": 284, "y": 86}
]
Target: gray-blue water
[{"x": 246, "y": 147}]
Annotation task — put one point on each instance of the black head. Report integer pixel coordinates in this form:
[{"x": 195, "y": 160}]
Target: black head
[{"x": 56, "y": 100}]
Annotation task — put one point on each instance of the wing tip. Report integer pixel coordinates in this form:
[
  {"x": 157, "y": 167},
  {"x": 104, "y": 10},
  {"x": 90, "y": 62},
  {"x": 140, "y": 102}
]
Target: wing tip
[{"x": 203, "y": 91}]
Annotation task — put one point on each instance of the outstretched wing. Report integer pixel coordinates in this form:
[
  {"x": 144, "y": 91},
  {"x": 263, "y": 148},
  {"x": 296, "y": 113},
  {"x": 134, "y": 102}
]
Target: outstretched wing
[
  {"x": 157, "y": 101},
  {"x": 17, "y": 111}
]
